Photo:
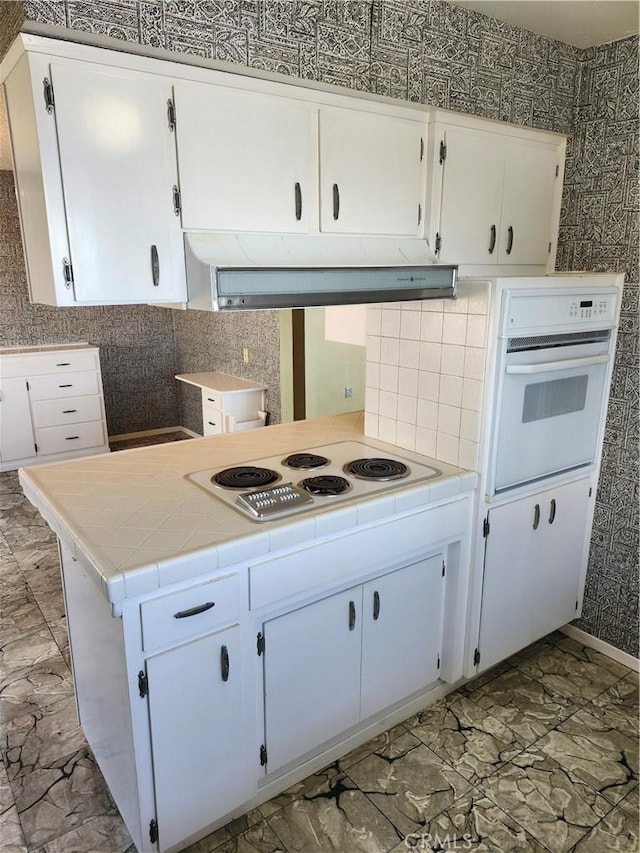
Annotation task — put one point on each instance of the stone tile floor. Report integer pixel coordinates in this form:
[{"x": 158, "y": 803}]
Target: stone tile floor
[{"x": 539, "y": 754}]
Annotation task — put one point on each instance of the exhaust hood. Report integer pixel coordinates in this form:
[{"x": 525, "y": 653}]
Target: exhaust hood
[{"x": 231, "y": 272}]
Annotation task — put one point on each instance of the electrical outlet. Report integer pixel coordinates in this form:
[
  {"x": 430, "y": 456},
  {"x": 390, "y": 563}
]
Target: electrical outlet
[
  {"x": 245, "y": 355},
  {"x": 348, "y": 391}
]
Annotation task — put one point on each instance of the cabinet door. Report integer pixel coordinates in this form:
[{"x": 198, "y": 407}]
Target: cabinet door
[
  {"x": 312, "y": 675},
  {"x": 247, "y": 160},
  {"x": 371, "y": 173},
  {"x": 472, "y": 184},
  {"x": 527, "y": 207},
  {"x": 533, "y": 569},
  {"x": 401, "y": 634},
  {"x": 199, "y": 754},
  {"x": 16, "y": 433},
  {"x": 565, "y": 518},
  {"x": 117, "y": 157}
]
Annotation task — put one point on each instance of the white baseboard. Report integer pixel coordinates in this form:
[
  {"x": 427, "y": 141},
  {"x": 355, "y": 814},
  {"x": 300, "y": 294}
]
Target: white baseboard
[
  {"x": 600, "y": 646},
  {"x": 127, "y": 435}
]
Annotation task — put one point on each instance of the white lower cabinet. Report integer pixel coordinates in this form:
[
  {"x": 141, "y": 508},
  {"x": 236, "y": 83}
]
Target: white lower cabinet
[
  {"x": 534, "y": 567},
  {"x": 193, "y": 723},
  {"x": 331, "y": 664},
  {"x": 51, "y": 404},
  {"x": 196, "y": 733}
]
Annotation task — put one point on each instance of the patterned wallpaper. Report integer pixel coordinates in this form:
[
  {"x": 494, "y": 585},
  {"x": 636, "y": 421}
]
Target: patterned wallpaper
[
  {"x": 599, "y": 231},
  {"x": 137, "y": 349},
  {"x": 432, "y": 52}
]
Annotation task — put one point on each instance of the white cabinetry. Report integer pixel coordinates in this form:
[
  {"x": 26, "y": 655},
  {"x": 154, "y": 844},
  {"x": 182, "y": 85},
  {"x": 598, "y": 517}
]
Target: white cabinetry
[
  {"x": 51, "y": 404},
  {"x": 371, "y": 173},
  {"x": 338, "y": 661},
  {"x": 95, "y": 168},
  {"x": 229, "y": 404},
  {"x": 247, "y": 160},
  {"x": 534, "y": 568},
  {"x": 498, "y": 202}
]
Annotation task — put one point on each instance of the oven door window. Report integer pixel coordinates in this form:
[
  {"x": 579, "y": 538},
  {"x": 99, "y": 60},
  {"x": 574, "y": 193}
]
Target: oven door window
[
  {"x": 554, "y": 398},
  {"x": 548, "y": 423}
]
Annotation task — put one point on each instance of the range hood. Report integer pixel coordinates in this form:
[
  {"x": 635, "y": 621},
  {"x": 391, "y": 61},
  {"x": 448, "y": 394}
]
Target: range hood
[{"x": 231, "y": 272}]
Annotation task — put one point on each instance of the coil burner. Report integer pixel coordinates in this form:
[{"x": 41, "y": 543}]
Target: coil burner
[
  {"x": 325, "y": 484},
  {"x": 305, "y": 460},
  {"x": 245, "y": 477},
  {"x": 376, "y": 469}
]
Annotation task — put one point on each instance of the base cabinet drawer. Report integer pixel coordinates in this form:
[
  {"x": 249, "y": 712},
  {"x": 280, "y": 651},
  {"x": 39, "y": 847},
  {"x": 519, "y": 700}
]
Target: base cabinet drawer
[
  {"x": 189, "y": 612},
  {"x": 70, "y": 410},
  {"x": 58, "y": 362},
  {"x": 69, "y": 385},
  {"x": 212, "y": 421},
  {"x": 65, "y": 439}
]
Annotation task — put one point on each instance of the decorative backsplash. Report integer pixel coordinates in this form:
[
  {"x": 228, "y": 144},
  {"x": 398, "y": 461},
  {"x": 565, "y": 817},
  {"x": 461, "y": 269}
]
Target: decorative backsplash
[{"x": 419, "y": 50}]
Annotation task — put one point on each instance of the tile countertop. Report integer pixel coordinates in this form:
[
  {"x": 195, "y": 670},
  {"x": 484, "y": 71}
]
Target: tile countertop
[{"x": 136, "y": 519}]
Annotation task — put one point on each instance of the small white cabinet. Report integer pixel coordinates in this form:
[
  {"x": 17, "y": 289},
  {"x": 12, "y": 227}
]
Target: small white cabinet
[
  {"x": 499, "y": 198},
  {"x": 95, "y": 170},
  {"x": 229, "y": 404},
  {"x": 247, "y": 160},
  {"x": 371, "y": 173},
  {"x": 343, "y": 659},
  {"x": 51, "y": 404},
  {"x": 534, "y": 568}
]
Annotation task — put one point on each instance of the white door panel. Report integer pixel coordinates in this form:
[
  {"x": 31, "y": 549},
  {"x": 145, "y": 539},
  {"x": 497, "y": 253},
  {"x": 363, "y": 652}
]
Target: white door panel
[{"x": 16, "y": 432}]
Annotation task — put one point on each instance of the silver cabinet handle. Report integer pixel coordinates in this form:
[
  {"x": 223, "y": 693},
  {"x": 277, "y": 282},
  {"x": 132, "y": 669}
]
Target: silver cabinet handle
[
  {"x": 376, "y": 605},
  {"x": 155, "y": 266},
  {"x": 63, "y": 364},
  {"x": 336, "y": 201},
  {"x": 510, "y": 243},
  {"x": 224, "y": 663},
  {"x": 492, "y": 240},
  {"x": 536, "y": 516},
  {"x": 298, "y": 199},
  {"x": 552, "y": 511},
  {"x": 352, "y": 615}
]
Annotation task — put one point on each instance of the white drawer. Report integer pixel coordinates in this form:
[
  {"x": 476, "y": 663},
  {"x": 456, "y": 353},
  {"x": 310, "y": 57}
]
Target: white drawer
[
  {"x": 69, "y": 410},
  {"x": 171, "y": 618},
  {"x": 65, "y": 439},
  {"x": 212, "y": 398},
  {"x": 65, "y": 361},
  {"x": 69, "y": 385},
  {"x": 212, "y": 421}
]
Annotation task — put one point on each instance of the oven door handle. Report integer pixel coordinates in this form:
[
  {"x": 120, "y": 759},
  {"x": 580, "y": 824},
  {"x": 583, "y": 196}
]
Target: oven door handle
[{"x": 548, "y": 366}]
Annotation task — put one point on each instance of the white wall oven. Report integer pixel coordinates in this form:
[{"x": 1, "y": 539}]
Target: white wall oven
[{"x": 551, "y": 381}]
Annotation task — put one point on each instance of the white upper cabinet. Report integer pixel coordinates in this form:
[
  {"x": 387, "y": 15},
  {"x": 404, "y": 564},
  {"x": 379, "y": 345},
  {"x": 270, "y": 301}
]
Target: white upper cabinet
[
  {"x": 247, "y": 160},
  {"x": 495, "y": 195},
  {"x": 95, "y": 169},
  {"x": 371, "y": 173}
]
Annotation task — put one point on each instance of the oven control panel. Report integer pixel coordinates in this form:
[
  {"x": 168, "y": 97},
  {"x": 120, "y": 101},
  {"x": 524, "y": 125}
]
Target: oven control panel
[{"x": 546, "y": 311}]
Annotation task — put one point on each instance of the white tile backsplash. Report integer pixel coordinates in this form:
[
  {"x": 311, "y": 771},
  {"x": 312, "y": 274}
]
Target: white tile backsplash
[
  {"x": 390, "y": 351},
  {"x": 408, "y": 381},
  {"x": 409, "y": 353},
  {"x": 390, "y": 327},
  {"x": 427, "y": 359},
  {"x": 388, "y": 378}
]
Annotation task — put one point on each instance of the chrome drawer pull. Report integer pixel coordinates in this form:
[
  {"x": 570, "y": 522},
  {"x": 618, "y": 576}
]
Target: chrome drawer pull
[
  {"x": 68, "y": 385},
  {"x": 68, "y": 411},
  {"x": 211, "y": 423},
  {"x": 71, "y": 437},
  {"x": 193, "y": 611},
  {"x": 63, "y": 364}
]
